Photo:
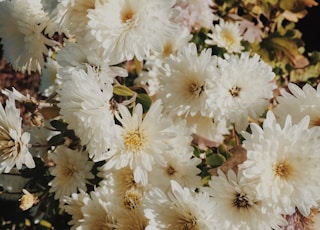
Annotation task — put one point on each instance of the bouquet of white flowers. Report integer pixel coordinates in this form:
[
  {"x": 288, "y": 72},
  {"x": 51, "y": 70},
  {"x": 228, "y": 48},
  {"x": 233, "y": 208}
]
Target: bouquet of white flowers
[{"x": 171, "y": 114}]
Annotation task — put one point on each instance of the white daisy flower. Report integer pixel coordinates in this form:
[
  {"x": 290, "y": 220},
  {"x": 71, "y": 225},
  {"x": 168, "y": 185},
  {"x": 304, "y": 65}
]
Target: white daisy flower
[
  {"x": 22, "y": 23},
  {"x": 299, "y": 103},
  {"x": 184, "y": 88},
  {"x": 180, "y": 208},
  {"x": 72, "y": 205},
  {"x": 13, "y": 141},
  {"x": 285, "y": 162},
  {"x": 128, "y": 29},
  {"x": 85, "y": 106},
  {"x": 143, "y": 140},
  {"x": 242, "y": 90},
  {"x": 226, "y": 35},
  {"x": 71, "y": 172},
  {"x": 237, "y": 197}
]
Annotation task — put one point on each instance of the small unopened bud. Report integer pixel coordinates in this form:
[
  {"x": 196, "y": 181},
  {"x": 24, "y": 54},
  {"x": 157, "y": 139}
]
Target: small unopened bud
[
  {"x": 37, "y": 119},
  {"x": 27, "y": 200}
]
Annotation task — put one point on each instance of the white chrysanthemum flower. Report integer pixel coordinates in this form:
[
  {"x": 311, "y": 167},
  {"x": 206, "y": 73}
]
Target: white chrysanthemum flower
[
  {"x": 85, "y": 106},
  {"x": 131, "y": 219},
  {"x": 98, "y": 211},
  {"x": 299, "y": 103},
  {"x": 243, "y": 89},
  {"x": 77, "y": 55},
  {"x": 22, "y": 23},
  {"x": 181, "y": 164},
  {"x": 75, "y": 16},
  {"x": 226, "y": 35},
  {"x": 285, "y": 162},
  {"x": 130, "y": 29},
  {"x": 71, "y": 172},
  {"x": 185, "y": 86},
  {"x": 126, "y": 191},
  {"x": 72, "y": 205},
  {"x": 13, "y": 141},
  {"x": 195, "y": 14},
  {"x": 237, "y": 197},
  {"x": 181, "y": 167},
  {"x": 152, "y": 67},
  {"x": 143, "y": 140},
  {"x": 180, "y": 208},
  {"x": 176, "y": 42}
]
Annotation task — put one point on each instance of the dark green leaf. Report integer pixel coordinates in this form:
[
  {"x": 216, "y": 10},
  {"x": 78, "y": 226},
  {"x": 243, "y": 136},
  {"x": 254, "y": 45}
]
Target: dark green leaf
[
  {"x": 145, "y": 100},
  {"x": 215, "y": 160},
  {"x": 59, "y": 125},
  {"x": 224, "y": 151}
]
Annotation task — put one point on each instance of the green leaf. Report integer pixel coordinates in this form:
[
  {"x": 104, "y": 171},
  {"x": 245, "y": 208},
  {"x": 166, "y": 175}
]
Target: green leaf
[
  {"x": 315, "y": 57},
  {"x": 224, "y": 151},
  {"x": 196, "y": 151},
  {"x": 122, "y": 90},
  {"x": 205, "y": 179},
  {"x": 215, "y": 160},
  {"x": 56, "y": 140},
  {"x": 145, "y": 100},
  {"x": 59, "y": 125}
]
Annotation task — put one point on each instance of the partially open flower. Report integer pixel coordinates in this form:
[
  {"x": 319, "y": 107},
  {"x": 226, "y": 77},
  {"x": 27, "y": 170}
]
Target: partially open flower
[{"x": 27, "y": 200}]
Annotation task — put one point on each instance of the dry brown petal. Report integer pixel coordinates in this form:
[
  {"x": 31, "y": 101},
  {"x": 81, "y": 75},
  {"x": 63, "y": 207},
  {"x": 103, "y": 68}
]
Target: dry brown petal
[{"x": 239, "y": 155}]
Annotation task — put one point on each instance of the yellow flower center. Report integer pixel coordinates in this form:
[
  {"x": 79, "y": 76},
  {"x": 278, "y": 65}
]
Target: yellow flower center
[
  {"x": 127, "y": 15},
  {"x": 229, "y": 38},
  {"x": 283, "y": 170},
  {"x": 167, "y": 49},
  {"x": 134, "y": 141}
]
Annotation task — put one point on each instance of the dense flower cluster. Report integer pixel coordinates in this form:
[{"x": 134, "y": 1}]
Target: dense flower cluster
[{"x": 171, "y": 114}]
